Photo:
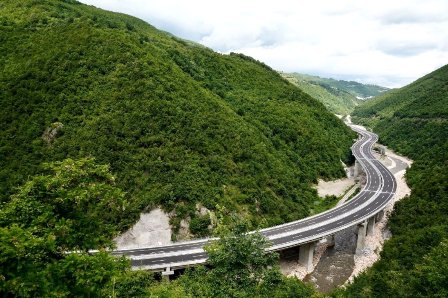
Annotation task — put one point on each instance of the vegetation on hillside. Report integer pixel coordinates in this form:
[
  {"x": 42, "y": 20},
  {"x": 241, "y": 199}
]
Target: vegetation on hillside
[
  {"x": 339, "y": 96},
  {"x": 179, "y": 124},
  {"x": 355, "y": 88},
  {"x": 238, "y": 266},
  {"x": 67, "y": 209},
  {"x": 335, "y": 100},
  {"x": 413, "y": 120},
  {"x": 47, "y": 227}
]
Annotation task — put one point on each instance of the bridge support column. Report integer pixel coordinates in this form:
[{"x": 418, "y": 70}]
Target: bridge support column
[
  {"x": 330, "y": 241},
  {"x": 371, "y": 225},
  {"x": 379, "y": 216},
  {"x": 360, "y": 243},
  {"x": 166, "y": 274},
  {"x": 357, "y": 169},
  {"x": 306, "y": 254}
]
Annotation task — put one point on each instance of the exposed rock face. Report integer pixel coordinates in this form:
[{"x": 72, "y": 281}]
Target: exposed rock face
[
  {"x": 184, "y": 230},
  {"x": 152, "y": 229},
  {"x": 51, "y": 132}
]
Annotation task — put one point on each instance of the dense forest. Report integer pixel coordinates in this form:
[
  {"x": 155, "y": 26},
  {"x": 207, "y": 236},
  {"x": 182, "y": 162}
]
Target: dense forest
[
  {"x": 413, "y": 120},
  {"x": 180, "y": 125},
  {"x": 338, "y": 96},
  {"x": 103, "y": 117},
  {"x": 51, "y": 216}
]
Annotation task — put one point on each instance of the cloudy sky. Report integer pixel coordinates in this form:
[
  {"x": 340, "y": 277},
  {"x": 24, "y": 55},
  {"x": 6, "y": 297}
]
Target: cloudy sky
[{"x": 390, "y": 43}]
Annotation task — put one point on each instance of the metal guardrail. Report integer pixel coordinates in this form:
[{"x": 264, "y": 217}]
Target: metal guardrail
[{"x": 161, "y": 257}]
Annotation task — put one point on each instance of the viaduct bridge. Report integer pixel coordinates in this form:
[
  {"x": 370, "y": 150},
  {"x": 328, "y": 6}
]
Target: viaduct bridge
[{"x": 361, "y": 211}]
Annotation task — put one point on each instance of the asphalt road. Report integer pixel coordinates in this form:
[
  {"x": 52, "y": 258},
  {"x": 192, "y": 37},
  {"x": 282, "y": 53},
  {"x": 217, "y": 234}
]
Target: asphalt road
[{"x": 378, "y": 191}]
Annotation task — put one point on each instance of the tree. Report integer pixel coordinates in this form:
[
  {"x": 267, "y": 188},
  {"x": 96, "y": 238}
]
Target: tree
[
  {"x": 241, "y": 260},
  {"x": 77, "y": 203},
  {"x": 430, "y": 279},
  {"x": 240, "y": 266},
  {"x": 51, "y": 216}
]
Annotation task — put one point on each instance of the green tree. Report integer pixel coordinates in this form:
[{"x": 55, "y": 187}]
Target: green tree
[
  {"x": 214, "y": 129},
  {"x": 199, "y": 225},
  {"x": 241, "y": 260},
  {"x": 240, "y": 266},
  {"x": 431, "y": 277},
  {"x": 72, "y": 208},
  {"x": 77, "y": 203}
]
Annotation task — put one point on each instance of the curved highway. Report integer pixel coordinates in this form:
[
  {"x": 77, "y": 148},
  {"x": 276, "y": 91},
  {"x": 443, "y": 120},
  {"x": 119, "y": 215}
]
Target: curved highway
[{"x": 378, "y": 191}]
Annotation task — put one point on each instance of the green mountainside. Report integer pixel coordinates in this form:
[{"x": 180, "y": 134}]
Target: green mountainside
[
  {"x": 335, "y": 100},
  {"x": 352, "y": 87},
  {"x": 413, "y": 120},
  {"x": 180, "y": 125},
  {"x": 339, "y": 96}
]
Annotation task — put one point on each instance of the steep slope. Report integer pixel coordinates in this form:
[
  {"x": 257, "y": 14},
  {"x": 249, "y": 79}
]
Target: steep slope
[
  {"x": 180, "y": 125},
  {"x": 340, "y": 97},
  {"x": 414, "y": 121},
  {"x": 357, "y": 89},
  {"x": 335, "y": 100}
]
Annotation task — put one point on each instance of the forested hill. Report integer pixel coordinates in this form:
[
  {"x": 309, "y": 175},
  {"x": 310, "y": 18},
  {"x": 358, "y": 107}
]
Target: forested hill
[
  {"x": 413, "y": 120},
  {"x": 339, "y": 96},
  {"x": 180, "y": 125},
  {"x": 335, "y": 100},
  {"x": 355, "y": 88}
]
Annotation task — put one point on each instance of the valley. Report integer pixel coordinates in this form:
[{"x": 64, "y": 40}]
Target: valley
[{"x": 135, "y": 162}]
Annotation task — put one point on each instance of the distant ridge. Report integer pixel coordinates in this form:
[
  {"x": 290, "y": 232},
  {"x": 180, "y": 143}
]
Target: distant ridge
[{"x": 339, "y": 96}]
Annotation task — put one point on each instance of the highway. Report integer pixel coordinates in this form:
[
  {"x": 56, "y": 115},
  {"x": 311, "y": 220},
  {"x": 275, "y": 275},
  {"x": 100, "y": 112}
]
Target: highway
[{"x": 379, "y": 189}]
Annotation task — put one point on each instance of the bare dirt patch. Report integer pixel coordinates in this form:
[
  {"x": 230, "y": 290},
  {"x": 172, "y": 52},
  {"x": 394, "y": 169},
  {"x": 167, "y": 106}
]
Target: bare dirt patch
[{"x": 336, "y": 188}]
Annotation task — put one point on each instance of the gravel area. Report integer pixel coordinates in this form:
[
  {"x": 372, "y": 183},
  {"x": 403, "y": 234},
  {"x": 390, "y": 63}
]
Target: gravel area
[
  {"x": 336, "y": 188},
  {"x": 292, "y": 267}
]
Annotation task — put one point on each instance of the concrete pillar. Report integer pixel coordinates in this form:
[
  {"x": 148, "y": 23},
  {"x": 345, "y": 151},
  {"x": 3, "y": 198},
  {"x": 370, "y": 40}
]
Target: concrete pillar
[
  {"x": 306, "y": 255},
  {"x": 361, "y": 241},
  {"x": 357, "y": 169},
  {"x": 379, "y": 216},
  {"x": 166, "y": 274},
  {"x": 371, "y": 226},
  {"x": 330, "y": 241}
]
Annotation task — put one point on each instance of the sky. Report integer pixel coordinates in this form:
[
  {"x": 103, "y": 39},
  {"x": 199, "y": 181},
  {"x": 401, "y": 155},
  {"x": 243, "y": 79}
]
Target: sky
[{"x": 389, "y": 43}]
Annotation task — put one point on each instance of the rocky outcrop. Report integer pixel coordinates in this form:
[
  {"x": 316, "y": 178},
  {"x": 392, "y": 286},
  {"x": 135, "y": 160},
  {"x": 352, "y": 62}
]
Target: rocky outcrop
[
  {"x": 152, "y": 229},
  {"x": 51, "y": 132}
]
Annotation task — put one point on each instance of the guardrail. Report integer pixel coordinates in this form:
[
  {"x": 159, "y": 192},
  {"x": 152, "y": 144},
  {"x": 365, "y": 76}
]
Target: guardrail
[{"x": 284, "y": 236}]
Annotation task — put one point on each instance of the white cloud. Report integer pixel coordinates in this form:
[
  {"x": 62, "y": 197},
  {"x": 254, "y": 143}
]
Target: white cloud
[{"x": 384, "y": 42}]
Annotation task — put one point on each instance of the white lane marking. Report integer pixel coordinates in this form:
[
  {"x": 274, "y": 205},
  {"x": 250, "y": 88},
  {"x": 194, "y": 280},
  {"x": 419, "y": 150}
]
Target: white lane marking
[{"x": 370, "y": 169}]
